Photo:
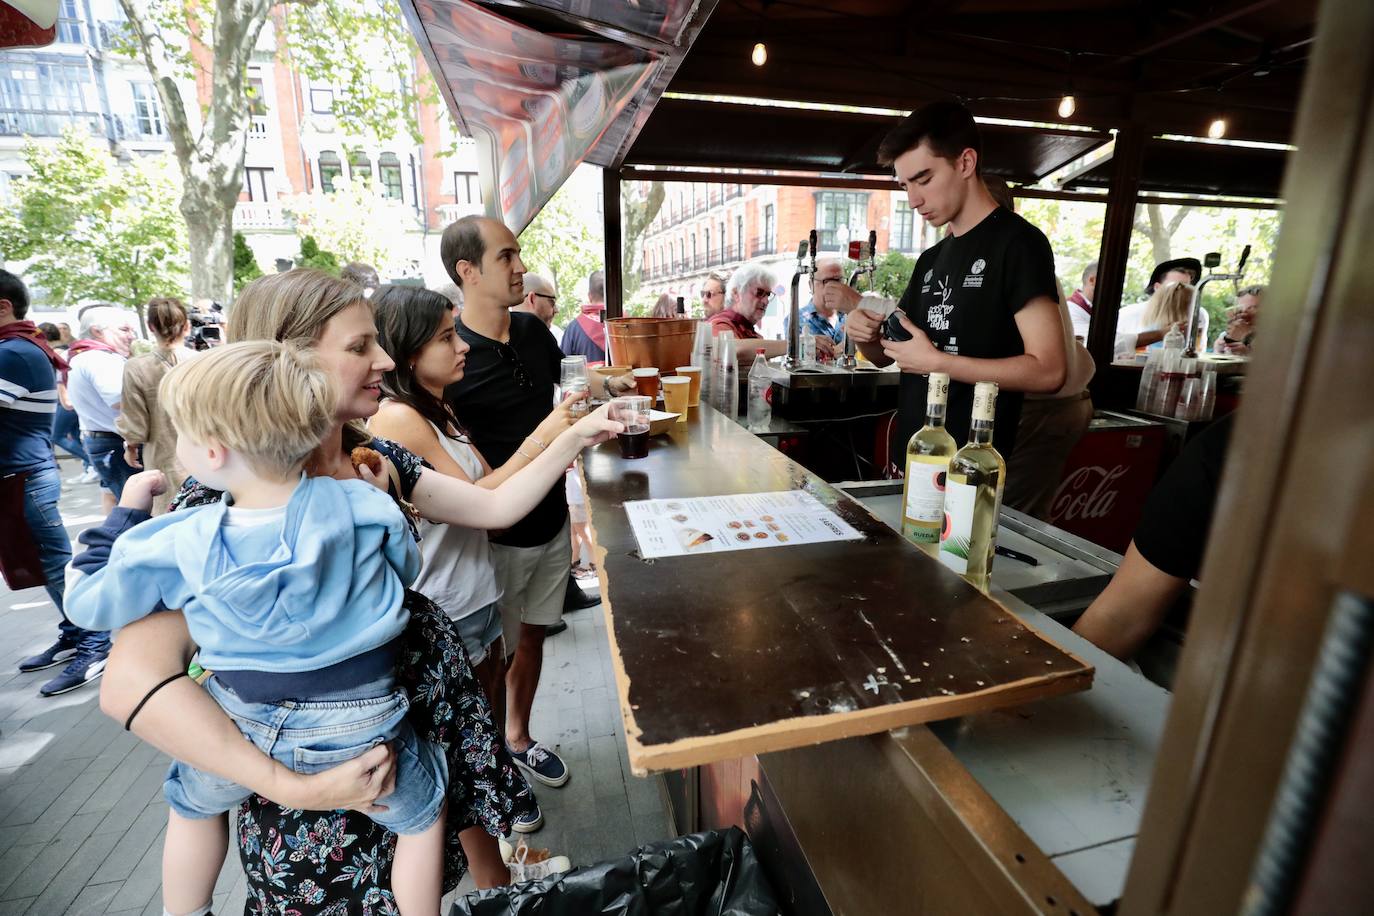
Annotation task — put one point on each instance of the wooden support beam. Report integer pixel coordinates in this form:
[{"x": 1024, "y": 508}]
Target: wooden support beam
[
  {"x": 610, "y": 209},
  {"x": 1116, "y": 243}
]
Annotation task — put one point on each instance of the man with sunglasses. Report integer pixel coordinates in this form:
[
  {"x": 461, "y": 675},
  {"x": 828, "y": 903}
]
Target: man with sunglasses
[
  {"x": 540, "y": 301},
  {"x": 712, "y": 295}
]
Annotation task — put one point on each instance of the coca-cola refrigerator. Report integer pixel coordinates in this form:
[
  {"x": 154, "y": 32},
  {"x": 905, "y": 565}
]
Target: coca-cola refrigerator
[{"x": 1107, "y": 478}]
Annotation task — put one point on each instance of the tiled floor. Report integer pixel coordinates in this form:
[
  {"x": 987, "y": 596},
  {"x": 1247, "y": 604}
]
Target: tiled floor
[{"x": 81, "y": 808}]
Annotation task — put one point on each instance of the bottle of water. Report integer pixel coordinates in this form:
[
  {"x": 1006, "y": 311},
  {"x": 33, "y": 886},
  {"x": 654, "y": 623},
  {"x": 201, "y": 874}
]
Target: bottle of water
[{"x": 760, "y": 394}]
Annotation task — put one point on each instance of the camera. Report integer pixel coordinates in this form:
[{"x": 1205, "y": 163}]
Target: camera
[
  {"x": 893, "y": 330},
  {"x": 206, "y": 327}
]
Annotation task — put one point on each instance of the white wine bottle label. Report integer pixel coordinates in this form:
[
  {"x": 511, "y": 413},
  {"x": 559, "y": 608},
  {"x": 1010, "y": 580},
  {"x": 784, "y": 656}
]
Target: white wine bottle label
[
  {"x": 957, "y": 535},
  {"x": 925, "y": 497},
  {"x": 937, "y": 390},
  {"x": 984, "y": 402}
]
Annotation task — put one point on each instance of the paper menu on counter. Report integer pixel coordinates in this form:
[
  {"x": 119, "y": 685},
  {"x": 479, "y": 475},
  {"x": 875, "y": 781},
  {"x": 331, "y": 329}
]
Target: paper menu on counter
[{"x": 743, "y": 521}]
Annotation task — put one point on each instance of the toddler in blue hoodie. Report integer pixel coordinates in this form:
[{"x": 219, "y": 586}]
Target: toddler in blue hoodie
[{"x": 291, "y": 586}]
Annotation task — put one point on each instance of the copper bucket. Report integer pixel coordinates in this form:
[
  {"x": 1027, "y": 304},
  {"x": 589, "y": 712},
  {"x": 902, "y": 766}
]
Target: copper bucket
[{"x": 642, "y": 343}]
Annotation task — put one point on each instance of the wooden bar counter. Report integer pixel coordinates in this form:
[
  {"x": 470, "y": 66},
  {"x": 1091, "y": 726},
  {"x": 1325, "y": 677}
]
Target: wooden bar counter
[{"x": 735, "y": 653}]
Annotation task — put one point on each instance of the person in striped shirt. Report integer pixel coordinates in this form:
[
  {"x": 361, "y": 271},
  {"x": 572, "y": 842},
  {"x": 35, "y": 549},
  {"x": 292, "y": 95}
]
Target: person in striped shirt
[{"x": 28, "y": 404}]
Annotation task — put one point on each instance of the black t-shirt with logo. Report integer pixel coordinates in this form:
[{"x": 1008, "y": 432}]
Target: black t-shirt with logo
[
  {"x": 964, "y": 294},
  {"x": 505, "y": 391}
]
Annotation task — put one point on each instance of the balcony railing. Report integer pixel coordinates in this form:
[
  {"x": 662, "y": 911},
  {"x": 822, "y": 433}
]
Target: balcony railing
[
  {"x": 759, "y": 246},
  {"x": 134, "y": 128},
  {"x": 451, "y": 213},
  {"x": 257, "y": 127},
  {"x": 259, "y": 215}
]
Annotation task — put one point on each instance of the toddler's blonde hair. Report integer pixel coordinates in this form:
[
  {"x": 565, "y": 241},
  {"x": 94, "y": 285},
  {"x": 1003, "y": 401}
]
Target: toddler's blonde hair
[{"x": 268, "y": 401}]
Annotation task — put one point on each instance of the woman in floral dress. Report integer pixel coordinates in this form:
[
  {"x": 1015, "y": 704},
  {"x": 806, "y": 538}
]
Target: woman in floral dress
[{"x": 300, "y": 853}]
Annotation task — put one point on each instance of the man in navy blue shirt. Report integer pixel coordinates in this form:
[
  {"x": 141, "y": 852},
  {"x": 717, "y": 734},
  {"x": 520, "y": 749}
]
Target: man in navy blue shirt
[{"x": 28, "y": 404}]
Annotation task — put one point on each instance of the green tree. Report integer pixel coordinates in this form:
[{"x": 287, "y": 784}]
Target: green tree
[
  {"x": 363, "y": 48},
  {"x": 358, "y": 224},
  {"x": 246, "y": 268},
  {"x": 91, "y": 228},
  {"x": 562, "y": 246},
  {"x": 313, "y": 256},
  {"x": 892, "y": 274}
]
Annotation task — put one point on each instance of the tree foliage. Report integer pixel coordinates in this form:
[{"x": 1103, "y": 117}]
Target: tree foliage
[
  {"x": 313, "y": 256},
  {"x": 246, "y": 268},
  {"x": 359, "y": 47},
  {"x": 561, "y": 245},
  {"x": 93, "y": 229},
  {"x": 637, "y": 212},
  {"x": 357, "y": 224}
]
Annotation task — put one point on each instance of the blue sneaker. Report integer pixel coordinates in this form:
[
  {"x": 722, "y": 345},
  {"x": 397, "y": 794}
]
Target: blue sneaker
[
  {"x": 62, "y": 650},
  {"x": 543, "y": 764},
  {"x": 528, "y": 822},
  {"x": 85, "y": 667}
]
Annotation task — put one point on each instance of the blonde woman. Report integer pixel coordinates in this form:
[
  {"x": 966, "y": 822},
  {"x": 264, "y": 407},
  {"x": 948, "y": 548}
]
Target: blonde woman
[
  {"x": 342, "y": 860},
  {"x": 149, "y": 440},
  {"x": 1168, "y": 306}
]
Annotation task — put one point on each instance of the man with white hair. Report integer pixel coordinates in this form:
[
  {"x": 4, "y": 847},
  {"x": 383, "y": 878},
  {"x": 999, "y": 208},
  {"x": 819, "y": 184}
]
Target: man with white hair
[
  {"x": 541, "y": 301},
  {"x": 819, "y": 317},
  {"x": 95, "y": 386},
  {"x": 746, "y": 300}
]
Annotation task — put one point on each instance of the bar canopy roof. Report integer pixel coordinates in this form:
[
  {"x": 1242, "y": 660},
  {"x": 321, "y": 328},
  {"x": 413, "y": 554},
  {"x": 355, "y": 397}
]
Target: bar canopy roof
[{"x": 1172, "y": 67}]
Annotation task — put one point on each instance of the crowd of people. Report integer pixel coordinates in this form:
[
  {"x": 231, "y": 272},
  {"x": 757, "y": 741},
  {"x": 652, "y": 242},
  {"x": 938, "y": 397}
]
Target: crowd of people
[{"x": 355, "y": 516}]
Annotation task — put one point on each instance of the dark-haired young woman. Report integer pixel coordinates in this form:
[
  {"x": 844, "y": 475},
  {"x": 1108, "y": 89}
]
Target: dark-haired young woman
[{"x": 415, "y": 328}]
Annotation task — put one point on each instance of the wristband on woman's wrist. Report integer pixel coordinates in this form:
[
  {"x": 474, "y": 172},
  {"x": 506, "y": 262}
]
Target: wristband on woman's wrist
[
  {"x": 541, "y": 445},
  {"x": 521, "y": 453}
]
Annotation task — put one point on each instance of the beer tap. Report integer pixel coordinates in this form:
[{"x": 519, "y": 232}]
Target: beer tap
[
  {"x": 792, "y": 362},
  {"x": 867, "y": 259},
  {"x": 1211, "y": 260}
]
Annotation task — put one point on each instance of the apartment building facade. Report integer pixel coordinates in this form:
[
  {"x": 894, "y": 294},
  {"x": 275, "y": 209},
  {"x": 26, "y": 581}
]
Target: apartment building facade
[
  {"x": 296, "y": 145},
  {"x": 710, "y": 227}
]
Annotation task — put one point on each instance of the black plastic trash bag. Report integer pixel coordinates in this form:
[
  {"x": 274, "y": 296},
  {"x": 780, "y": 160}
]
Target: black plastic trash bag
[{"x": 704, "y": 874}]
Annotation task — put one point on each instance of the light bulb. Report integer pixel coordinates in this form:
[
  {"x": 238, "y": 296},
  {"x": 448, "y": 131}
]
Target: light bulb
[
  {"x": 760, "y": 55},
  {"x": 1217, "y": 129},
  {"x": 1067, "y": 105}
]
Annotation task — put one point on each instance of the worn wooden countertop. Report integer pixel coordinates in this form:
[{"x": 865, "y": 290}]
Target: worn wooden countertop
[{"x": 722, "y": 655}]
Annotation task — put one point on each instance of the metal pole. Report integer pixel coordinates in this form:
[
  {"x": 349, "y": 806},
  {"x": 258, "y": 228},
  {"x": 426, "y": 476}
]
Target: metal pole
[
  {"x": 610, "y": 210},
  {"x": 1116, "y": 244}
]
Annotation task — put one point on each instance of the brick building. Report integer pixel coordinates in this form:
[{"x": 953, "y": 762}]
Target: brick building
[{"x": 715, "y": 227}]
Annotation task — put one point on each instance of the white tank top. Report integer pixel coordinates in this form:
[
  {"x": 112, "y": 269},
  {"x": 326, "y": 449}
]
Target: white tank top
[{"x": 456, "y": 571}]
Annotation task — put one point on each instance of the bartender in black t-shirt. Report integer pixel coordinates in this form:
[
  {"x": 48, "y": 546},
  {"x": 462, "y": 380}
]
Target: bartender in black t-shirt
[{"x": 981, "y": 304}]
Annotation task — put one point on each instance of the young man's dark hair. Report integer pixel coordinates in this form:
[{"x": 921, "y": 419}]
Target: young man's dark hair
[
  {"x": 13, "y": 289},
  {"x": 462, "y": 241},
  {"x": 50, "y": 332},
  {"x": 596, "y": 286},
  {"x": 365, "y": 275},
  {"x": 947, "y": 127}
]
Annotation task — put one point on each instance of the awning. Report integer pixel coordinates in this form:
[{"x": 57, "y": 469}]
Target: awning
[{"x": 27, "y": 23}]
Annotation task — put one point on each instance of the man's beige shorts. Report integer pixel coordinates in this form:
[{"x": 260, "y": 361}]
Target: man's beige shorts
[{"x": 534, "y": 581}]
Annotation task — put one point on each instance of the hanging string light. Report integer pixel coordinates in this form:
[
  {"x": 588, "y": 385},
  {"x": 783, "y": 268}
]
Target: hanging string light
[
  {"x": 760, "y": 55},
  {"x": 1217, "y": 129},
  {"x": 1067, "y": 106}
]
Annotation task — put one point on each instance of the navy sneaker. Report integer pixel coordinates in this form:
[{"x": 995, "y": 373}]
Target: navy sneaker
[
  {"x": 543, "y": 764},
  {"x": 528, "y": 822},
  {"x": 84, "y": 668},
  {"x": 56, "y": 654}
]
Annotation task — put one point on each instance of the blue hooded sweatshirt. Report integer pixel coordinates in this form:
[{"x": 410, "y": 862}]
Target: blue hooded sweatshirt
[{"x": 320, "y": 586}]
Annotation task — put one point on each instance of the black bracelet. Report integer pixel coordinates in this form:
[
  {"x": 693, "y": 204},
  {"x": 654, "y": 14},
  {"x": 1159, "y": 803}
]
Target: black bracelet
[{"x": 148, "y": 696}]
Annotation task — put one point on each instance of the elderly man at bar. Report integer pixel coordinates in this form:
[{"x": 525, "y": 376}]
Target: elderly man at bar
[
  {"x": 819, "y": 317},
  {"x": 746, "y": 300}
]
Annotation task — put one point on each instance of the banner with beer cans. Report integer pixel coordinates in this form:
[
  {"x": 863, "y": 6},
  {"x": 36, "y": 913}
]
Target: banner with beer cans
[{"x": 543, "y": 93}]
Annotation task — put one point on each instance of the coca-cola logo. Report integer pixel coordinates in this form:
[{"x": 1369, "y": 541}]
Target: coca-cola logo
[{"x": 1087, "y": 493}]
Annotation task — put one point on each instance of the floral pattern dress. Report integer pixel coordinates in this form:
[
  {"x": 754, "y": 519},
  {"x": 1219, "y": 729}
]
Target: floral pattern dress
[{"x": 330, "y": 863}]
